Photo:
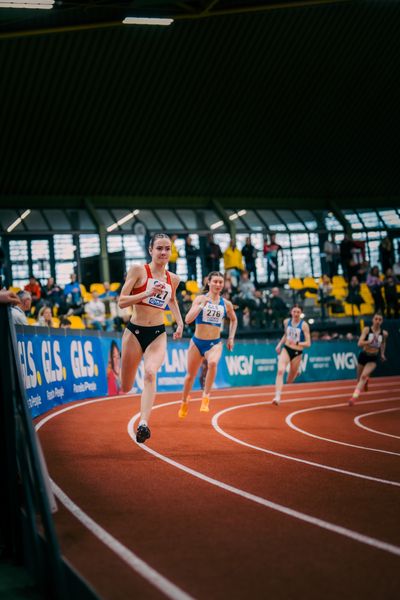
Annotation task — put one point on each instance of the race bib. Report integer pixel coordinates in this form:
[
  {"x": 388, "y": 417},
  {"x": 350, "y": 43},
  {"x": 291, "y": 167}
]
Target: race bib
[
  {"x": 213, "y": 314},
  {"x": 161, "y": 299}
]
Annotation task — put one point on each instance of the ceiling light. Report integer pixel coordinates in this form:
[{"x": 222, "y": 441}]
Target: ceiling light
[
  {"x": 29, "y": 4},
  {"x": 18, "y": 221},
  {"x": 123, "y": 220},
  {"x": 146, "y": 21},
  {"x": 216, "y": 225}
]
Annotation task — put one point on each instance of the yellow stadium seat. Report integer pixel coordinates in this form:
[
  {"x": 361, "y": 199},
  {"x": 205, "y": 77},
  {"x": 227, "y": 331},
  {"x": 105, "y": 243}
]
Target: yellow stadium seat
[
  {"x": 351, "y": 310},
  {"x": 168, "y": 318},
  {"x": 85, "y": 294},
  {"x": 76, "y": 322},
  {"x": 338, "y": 281},
  {"x": 367, "y": 309},
  {"x": 97, "y": 287},
  {"x": 192, "y": 287},
  {"x": 339, "y": 292},
  {"x": 309, "y": 282},
  {"x": 114, "y": 287},
  {"x": 31, "y": 321},
  {"x": 14, "y": 289},
  {"x": 56, "y": 322},
  {"x": 295, "y": 283}
]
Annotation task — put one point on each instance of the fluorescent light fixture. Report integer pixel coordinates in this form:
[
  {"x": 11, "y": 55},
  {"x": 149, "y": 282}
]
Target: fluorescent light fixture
[
  {"x": 238, "y": 214},
  {"x": 311, "y": 321},
  {"x": 123, "y": 220},
  {"x": 29, "y": 4},
  {"x": 146, "y": 21},
  {"x": 18, "y": 221},
  {"x": 216, "y": 225}
]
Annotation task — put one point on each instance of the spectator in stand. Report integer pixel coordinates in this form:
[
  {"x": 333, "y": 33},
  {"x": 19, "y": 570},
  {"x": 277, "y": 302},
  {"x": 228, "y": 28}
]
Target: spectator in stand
[
  {"x": 391, "y": 295},
  {"x": 345, "y": 254},
  {"x": 73, "y": 297},
  {"x": 375, "y": 285},
  {"x": 212, "y": 254},
  {"x": 358, "y": 263},
  {"x": 233, "y": 262},
  {"x": 258, "y": 315},
  {"x": 119, "y": 316},
  {"x": 271, "y": 255},
  {"x": 332, "y": 255},
  {"x": 45, "y": 317},
  {"x": 20, "y": 310},
  {"x": 325, "y": 294},
  {"x": 386, "y": 254},
  {"x": 33, "y": 287},
  {"x": 173, "y": 259},
  {"x": 65, "y": 323},
  {"x": 52, "y": 294},
  {"x": 96, "y": 312},
  {"x": 354, "y": 292},
  {"x": 245, "y": 297},
  {"x": 277, "y": 308},
  {"x": 249, "y": 253},
  {"x": 191, "y": 258}
]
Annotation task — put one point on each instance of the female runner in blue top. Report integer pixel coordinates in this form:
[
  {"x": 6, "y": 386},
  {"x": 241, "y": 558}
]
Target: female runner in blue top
[
  {"x": 148, "y": 289},
  {"x": 208, "y": 311},
  {"x": 294, "y": 340},
  {"x": 373, "y": 343}
]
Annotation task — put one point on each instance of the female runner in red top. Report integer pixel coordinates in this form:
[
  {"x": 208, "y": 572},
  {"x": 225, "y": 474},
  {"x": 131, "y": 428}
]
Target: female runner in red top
[{"x": 149, "y": 289}]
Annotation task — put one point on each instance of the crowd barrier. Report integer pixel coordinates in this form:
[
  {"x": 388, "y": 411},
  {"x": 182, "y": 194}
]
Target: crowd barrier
[{"x": 61, "y": 365}]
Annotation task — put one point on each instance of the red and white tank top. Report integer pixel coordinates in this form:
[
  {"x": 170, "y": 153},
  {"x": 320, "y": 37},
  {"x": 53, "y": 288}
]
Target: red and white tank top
[{"x": 160, "y": 300}]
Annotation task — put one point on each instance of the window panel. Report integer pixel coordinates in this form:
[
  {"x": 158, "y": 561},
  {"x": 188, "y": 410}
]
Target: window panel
[
  {"x": 63, "y": 272},
  {"x": 308, "y": 218},
  {"x": 390, "y": 218},
  {"x": 353, "y": 219},
  {"x": 189, "y": 219},
  {"x": 331, "y": 223},
  {"x": 64, "y": 248},
  {"x": 150, "y": 220},
  {"x": 134, "y": 247},
  {"x": 299, "y": 239},
  {"x": 114, "y": 243},
  {"x": 252, "y": 221},
  {"x": 34, "y": 221},
  {"x": 169, "y": 220},
  {"x": 302, "y": 262},
  {"x": 89, "y": 245},
  {"x": 271, "y": 220},
  {"x": 369, "y": 218},
  {"x": 290, "y": 219}
]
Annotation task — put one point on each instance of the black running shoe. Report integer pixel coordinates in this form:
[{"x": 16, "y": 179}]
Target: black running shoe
[{"x": 142, "y": 434}]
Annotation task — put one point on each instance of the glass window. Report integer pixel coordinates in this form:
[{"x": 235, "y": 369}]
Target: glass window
[
  {"x": 271, "y": 220},
  {"x": 353, "y": 219},
  {"x": 64, "y": 248},
  {"x": 40, "y": 253},
  {"x": 331, "y": 223},
  {"x": 121, "y": 213},
  {"x": 85, "y": 221},
  {"x": 299, "y": 239},
  {"x": 106, "y": 217},
  {"x": 252, "y": 221},
  {"x": 316, "y": 259},
  {"x": 7, "y": 217},
  {"x": 89, "y": 245},
  {"x": 114, "y": 243},
  {"x": 302, "y": 262},
  {"x": 189, "y": 219},
  {"x": 374, "y": 239},
  {"x": 390, "y": 218},
  {"x": 63, "y": 272},
  {"x": 150, "y": 220},
  {"x": 34, "y": 221},
  {"x": 58, "y": 220},
  {"x": 169, "y": 220},
  {"x": 134, "y": 247},
  {"x": 210, "y": 217},
  {"x": 369, "y": 218},
  {"x": 290, "y": 219},
  {"x": 19, "y": 262},
  {"x": 308, "y": 218}
]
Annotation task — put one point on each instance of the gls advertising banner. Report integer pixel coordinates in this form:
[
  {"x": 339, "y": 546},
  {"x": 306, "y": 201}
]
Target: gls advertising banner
[{"x": 58, "y": 368}]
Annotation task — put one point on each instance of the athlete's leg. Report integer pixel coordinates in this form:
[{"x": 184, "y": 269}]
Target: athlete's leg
[
  {"x": 194, "y": 360},
  {"x": 213, "y": 357},
  {"x": 294, "y": 369},
  {"x": 153, "y": 359},
  {"x": 130, "y": 360},
  {"x": 362, "y": 380},
  {"x": 283, "y": 361}
]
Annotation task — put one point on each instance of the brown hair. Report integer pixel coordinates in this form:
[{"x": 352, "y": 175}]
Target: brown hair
[{"x": 157, "y": 236}]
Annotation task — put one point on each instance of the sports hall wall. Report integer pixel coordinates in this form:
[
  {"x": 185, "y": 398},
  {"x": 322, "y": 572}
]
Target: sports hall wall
[{"x": 61, "y": 365}]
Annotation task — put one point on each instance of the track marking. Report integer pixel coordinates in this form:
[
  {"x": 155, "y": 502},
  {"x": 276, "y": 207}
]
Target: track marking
[
  {"x": 378, "y": 412},
  {"x": 217, "y": 427},
  {"x": 160, "y": 582},
  {"x": 289, "y": 421},
  {"x": 353, "y": 535}
]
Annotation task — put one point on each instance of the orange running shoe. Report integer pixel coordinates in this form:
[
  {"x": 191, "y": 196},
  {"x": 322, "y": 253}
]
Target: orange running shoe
[
  {"x": 183, "y": 411},
  {"x": 204, "y": 404}
]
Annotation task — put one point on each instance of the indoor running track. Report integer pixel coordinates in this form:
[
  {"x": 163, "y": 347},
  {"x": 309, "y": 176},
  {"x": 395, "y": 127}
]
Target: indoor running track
[{"x": 246, "y": 501}]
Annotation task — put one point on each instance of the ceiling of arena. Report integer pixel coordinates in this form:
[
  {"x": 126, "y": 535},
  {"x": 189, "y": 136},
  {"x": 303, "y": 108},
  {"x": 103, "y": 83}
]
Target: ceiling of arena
[{"x": 250, "y": 103}]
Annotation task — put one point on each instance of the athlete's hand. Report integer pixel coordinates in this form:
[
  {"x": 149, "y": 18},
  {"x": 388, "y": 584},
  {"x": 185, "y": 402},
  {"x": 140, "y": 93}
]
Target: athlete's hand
[
  {"x": 178, "y": 333},
  {"x": 230, "y": 343},
  {"x": 278, "y": 348},
  {"x": 8, "y": 297},
  {"x": 157, "y": 288},
  {"x": 383, "y": 357}
]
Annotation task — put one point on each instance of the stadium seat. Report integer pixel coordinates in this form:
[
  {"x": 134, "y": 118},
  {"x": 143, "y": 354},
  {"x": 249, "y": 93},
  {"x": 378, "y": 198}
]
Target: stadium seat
[
  {"x": 14, "y": 289},
  {"x": 309, "y": 282},
  {"x": 192, "y": 287},
  {"x": 338, "y": 281},
  {"x": 85, "y": 294},
  {"x": 351, "y": 310},
  {"x": 97, "y": 287},
  {"x": 295, "y": 283},
  {"x": 56, "y": 322},
  {"x": 114, "y": 287},
  {"x": 168, "y": 318},
  {"x": 32, "y": 321},
  {"x": 76, "y": 322}
]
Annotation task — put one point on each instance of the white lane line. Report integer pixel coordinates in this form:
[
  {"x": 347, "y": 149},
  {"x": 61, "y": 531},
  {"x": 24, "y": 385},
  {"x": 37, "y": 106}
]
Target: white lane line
[
  {"x": 169, "y": 589},
  {"x": 348, "y": 533},
  {"x": 289, "y": 421},
  {"x": 357, "y": 421},
  {"x": 219, "y": 429}
]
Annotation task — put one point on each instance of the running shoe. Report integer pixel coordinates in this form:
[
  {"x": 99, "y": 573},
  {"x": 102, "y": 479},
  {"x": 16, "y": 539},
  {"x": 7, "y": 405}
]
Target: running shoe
[
  {"x": 142, "y": 434},
  {"x": 204, "y": 404},
  {"x": 276, "y": 401},
  {"x": 183, "y": 411}
]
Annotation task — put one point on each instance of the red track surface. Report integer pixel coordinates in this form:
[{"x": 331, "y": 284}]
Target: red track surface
[{"x": 214, "y": 542}]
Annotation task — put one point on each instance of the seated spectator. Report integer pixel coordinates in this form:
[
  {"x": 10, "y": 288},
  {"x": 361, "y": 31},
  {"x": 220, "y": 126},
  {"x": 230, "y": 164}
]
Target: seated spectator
[
  {"x": 96, "y": 312},
  {"x": 45, "y": 317},
  {"x": 108, "y": 297},
  {"x": 33, "y": 287},
  {"x": 391, "y": 296},
  {"x": 52, "y": 294},
  {"x": 244, "y": 298},
  {"x": 375, "y": 285},
  {"x": 277, "y": 308},
  {"x": 258, "y": 314},
  {"x": 65, "y": 323},
  {"x": 354, "y": 295},
  {"x": 119, "y": 316},
  {"x": 212, "y": 254},
  {"x": 249, "y": 253},
  {"x": 73, "y": 297},
  {"x": 19, "y": 312},
  {"x": 325, "y": 295}
]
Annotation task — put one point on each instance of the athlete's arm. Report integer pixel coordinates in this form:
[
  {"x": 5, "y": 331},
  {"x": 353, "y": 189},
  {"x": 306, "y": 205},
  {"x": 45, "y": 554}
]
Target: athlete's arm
[
  {"x": 306, "y": 331},
  {"x": 232, "y": 324},
  {"x": 362, "y": 342},
  {"x": 197, "y": 306},
  {"x": 383, "y": 346},
  {"x": 279, "y": 345},
  {"x": 174, "y": 306}
]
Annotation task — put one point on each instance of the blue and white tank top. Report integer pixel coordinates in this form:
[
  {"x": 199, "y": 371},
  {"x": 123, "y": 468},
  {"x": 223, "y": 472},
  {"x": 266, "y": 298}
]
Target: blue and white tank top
[
  {"x": 212, "y": 314},
  {"x": 294, "y": 333}
]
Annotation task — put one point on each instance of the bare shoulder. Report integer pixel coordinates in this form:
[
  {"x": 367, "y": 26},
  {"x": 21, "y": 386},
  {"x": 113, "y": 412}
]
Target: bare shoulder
[
  {"x": 305, "y": 325},
  {"x": 175, "y": 279},
  {"x": 385, "y": 333},
  {"x": 285, "y": 323}
]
